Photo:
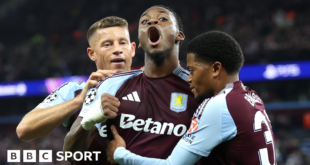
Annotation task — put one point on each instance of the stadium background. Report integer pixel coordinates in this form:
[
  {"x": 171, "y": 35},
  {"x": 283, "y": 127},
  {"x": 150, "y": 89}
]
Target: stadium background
[{"x": 46, "y": 39}]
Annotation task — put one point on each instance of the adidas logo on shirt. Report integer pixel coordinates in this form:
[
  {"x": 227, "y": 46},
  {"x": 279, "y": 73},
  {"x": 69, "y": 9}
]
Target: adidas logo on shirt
[{"x": 132, "y": 97}]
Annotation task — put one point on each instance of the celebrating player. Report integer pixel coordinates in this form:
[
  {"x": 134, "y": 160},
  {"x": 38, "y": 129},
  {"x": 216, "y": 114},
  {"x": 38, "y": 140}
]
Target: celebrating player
[
  {"x": 155, "y": 106},
  {"x": 230, "y": 126},
  {"x": 111, "y": 49}
]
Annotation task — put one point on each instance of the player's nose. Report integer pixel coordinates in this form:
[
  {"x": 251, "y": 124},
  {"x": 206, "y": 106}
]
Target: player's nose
[
  {"x": 117, "y": 49},
  {"x": 152, "y": 22}
]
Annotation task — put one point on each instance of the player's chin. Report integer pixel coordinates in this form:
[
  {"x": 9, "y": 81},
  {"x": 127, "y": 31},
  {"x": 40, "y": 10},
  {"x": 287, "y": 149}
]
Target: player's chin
[
  {"x": 118, "y": 66},
  {"x": 199, "y": 98},
  {"x": 156, "y": 48}
]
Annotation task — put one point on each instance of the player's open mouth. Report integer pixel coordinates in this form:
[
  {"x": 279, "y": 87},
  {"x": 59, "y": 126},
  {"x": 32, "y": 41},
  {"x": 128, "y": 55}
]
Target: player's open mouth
[
  {"x": 154, "y": 36},
  {"x": 118, "y": 61}
]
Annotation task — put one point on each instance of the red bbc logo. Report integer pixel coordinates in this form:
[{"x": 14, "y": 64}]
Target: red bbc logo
[{"x": 194, "y": 126}]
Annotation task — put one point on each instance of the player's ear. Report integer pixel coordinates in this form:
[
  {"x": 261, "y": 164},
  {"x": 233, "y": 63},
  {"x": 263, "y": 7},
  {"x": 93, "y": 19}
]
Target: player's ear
[
  {"x": 133, "y": 49},
  {"x": 180, "y": 36},
  {"x": 91, "y": 54},
  {"x": 216, "y": 68}
]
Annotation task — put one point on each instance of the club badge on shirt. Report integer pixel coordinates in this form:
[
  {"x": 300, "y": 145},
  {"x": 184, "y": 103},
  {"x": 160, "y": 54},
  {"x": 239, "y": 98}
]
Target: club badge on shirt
[{"x": 178, "y": 102}]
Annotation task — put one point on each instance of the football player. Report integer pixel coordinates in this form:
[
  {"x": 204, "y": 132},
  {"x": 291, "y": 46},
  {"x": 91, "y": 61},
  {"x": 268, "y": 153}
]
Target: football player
[
  {"x": 155, "y": 106},
  {"x": 111, "y": 50},
  {"x": 230, "y": 126}
]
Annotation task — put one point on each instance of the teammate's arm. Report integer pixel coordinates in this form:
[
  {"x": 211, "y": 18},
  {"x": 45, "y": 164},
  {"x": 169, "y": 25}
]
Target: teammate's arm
[
  {"x": 39, "y": 122},
  {"x": 179, "y": 156},
  {"x": 79, "y": 139}
]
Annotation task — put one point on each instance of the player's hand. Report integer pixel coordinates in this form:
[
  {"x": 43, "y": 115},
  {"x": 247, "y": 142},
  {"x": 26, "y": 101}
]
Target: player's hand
[
  {"x": 117, "y": 142},
  {"x": 103, "y": 109},
  {"x": 109, "y": 105},
  {"x": 93, "y": 80},
  {"x": 120, "y": 142},
  {"x": 110, "y": 151}
]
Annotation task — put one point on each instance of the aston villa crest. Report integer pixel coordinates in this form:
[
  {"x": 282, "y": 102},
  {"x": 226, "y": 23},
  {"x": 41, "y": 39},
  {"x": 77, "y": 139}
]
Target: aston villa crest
[{"x": 178, "y": 102}]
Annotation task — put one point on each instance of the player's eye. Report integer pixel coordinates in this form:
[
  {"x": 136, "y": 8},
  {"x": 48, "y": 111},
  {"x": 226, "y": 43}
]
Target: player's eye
[
  {"x": 106, "y": 44},
  {"x": 163, "y": 19},
  {"x": 123, "y": 43},
  {"x": 144, "y": 21}
]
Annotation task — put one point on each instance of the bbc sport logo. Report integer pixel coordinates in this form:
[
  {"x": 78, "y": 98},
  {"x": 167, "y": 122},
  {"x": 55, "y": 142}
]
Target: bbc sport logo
[{"x": 47, "y": 156}]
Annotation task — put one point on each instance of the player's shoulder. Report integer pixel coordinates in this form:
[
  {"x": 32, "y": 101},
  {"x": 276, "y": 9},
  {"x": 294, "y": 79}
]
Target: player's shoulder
[
  {"x": 110, "y": 85},
  {"x": 61, "y": 94},
  {"x": 126, "y": 74},
  {"x": 243, "y": 96},
  {"x": 216, "y": 103},
  {"x": 181, "y": 72},
  {"x": 118, "y": 78},
  {"x": 70, "y": 86},
  {"x": 76, "y": 84},
  {"x": 221, "y": 97}
]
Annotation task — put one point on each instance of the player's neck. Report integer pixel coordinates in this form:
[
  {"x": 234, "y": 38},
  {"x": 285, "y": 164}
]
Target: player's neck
[
  {"x": 225, "y": 80},
  {"x": 170, "y": 63}
]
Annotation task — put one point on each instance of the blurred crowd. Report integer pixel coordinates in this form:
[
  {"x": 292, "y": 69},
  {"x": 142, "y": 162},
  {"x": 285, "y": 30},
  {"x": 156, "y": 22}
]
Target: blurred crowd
[
  {"x": 291, "y": 137},
  {"x": 283, "y": 91},
  {"x": 47, "y": 38}
]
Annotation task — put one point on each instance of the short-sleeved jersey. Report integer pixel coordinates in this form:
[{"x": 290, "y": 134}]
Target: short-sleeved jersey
[
  {"x": 231, "y": 128},
  {"x": 66, "y": 92},
  {"x": 154, "y": 112}
]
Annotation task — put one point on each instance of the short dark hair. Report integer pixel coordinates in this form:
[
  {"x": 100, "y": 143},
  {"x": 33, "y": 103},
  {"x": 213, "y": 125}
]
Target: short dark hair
[
  {"x": 217, "y": 46},
  {"x": 111, "y": 21},
  {"x": 176, "y": 16}
]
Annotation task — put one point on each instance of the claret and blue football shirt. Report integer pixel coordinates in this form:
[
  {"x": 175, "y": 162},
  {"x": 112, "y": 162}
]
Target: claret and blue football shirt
[{"x": 154, "y": 113}]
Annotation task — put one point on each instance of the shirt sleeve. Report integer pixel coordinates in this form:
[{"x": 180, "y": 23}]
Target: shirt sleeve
[
  {"x": 211, "y": 125},
  {"x": 62, "y": 94},
  {"x": 179, "y": 156}
]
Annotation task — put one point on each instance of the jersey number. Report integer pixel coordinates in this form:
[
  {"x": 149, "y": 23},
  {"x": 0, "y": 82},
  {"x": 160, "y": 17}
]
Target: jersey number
[{"x": 259, "y": 119}]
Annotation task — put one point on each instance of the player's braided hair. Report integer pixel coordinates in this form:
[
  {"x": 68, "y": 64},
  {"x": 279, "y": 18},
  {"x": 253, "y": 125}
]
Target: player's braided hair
[{"x": 217, "y": 46}]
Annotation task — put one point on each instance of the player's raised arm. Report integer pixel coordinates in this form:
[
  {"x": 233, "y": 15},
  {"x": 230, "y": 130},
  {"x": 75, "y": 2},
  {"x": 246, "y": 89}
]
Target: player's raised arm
[
  {"x": 83, "y": 131},
  {"x": 56, "y": 108}
]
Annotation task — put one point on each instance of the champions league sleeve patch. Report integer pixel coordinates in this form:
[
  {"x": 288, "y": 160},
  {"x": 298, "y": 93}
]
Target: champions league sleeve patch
[
  {"x": 53, "y": 96},
  {"x": 90, "y": 96}
]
